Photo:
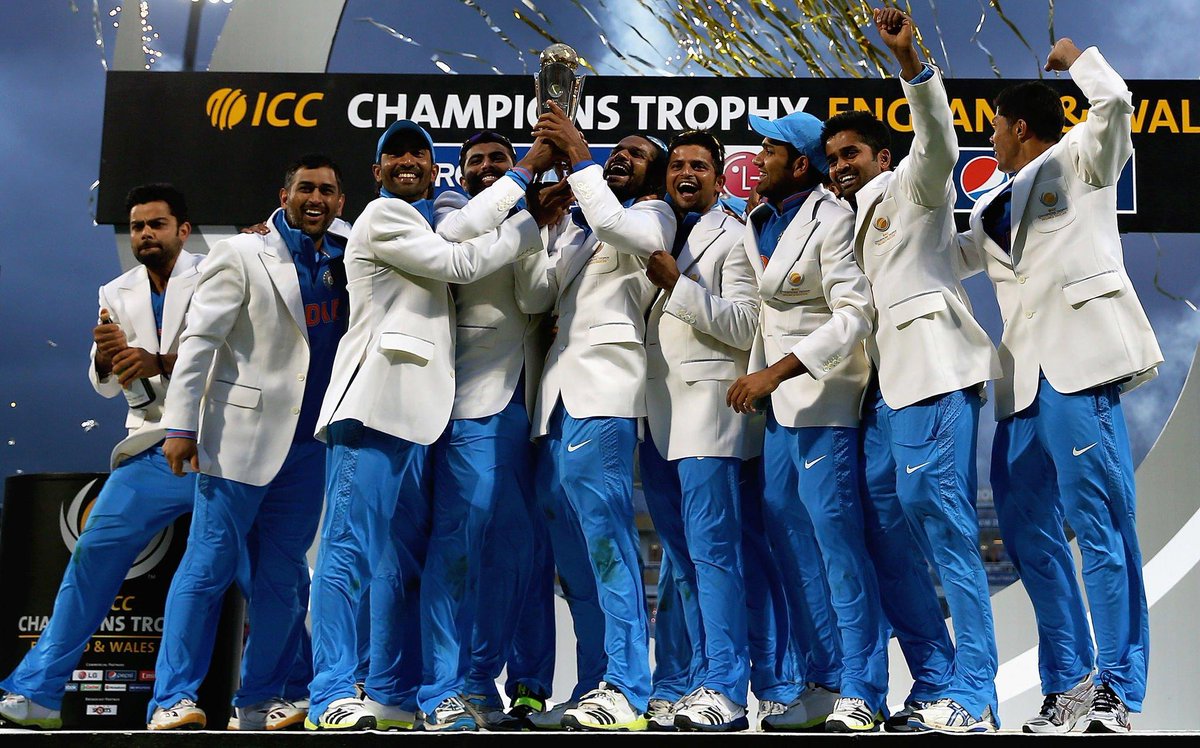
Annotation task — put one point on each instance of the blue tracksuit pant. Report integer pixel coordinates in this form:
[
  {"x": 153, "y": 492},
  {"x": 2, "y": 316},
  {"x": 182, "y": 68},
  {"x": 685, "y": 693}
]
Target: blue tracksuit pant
[
  {"x": 376, "y": 523},
  {"x": 138, "y": 499},
  {"x": 285, "y": 513},
  {"x": 695, "y": 505},
  {"x": 1067, "y": 456},
  {"x": 678, "y": 665},
  {"x": 591, "y": 472},
  {"x": 933, "y": 449}
]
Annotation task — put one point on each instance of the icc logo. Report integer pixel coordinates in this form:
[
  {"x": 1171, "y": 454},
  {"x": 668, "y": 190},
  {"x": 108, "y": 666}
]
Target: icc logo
[
  {"x": 227, "y": 107},
  {"x": 741, "y": 175},
  {"x": 979, "y": 176},
  {"x": 74, "y": 516}
]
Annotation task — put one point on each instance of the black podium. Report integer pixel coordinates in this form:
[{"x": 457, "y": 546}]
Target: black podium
[{"x": 41, "y": 517}]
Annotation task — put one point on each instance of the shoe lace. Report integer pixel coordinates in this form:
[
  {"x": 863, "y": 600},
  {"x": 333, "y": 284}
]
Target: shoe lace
[
  {"x": 1106, "y": 700},
  {"x": 1049, "y": 706},
  {"x": 184, "y": 704}
]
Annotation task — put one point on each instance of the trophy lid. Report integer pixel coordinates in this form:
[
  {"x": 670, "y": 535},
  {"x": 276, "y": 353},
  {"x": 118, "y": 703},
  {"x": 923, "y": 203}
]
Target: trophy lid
[{"x": 560, "y": 53}]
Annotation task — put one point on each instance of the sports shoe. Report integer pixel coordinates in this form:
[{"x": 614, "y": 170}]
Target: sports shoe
[
  {"x": 1109, "y": 713},
  {"x": 551, "y": 719},
  {"x": 947, "y": 715},
  {"x": 527, "y": 702},
  {"x": 25, "y": 712},
  {"x": 604, "y": 708},
  {"x": 1061, "y": 711},
  {"x": 806, "y": 713},
  {"x": 706, "y": 710},
  {"x": 898, "y": 722},
  {"x": 660, "y": 715},
  {"x": 452, "y": 715},
  {"x": 851, "y": 714},
  {"x": 389, "y": 717},
  {"x": 272, "y": 714},
  {"x": 347, "y": 714},
  {"x": 489, "y": 713},
  {"x": 184, "y": 715},
  {"x": 769, "y": 708}
]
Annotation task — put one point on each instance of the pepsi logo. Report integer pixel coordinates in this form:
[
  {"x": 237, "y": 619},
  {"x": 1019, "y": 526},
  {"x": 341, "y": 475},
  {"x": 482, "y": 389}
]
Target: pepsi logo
[
  {"x": 741, "y": 175},
  {"x": 980, "y": 175}
]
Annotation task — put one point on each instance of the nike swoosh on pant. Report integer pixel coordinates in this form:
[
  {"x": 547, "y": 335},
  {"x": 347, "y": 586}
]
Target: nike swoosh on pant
[
  {"x": 573, "y": 447},
  {"x": 910, "y": 469},
  {"x": 808, "y": 464},
  {"x": 1075, "y": 451}
]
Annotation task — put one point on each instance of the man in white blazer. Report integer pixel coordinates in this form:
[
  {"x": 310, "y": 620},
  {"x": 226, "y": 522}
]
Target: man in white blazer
[
  {"x": 815, "y": 309},
  {"x": 1075, "y": 337},
  {"x": 254, "y": 360},
  {"x": 931, "y": 360},
  {"x": 145, "y": 308},
  {"x": 698, "y": 339},
  {"x": 389, "y": 398},
  {"x": 588, "y": 414},
  {"x": 482, "y": 465}
]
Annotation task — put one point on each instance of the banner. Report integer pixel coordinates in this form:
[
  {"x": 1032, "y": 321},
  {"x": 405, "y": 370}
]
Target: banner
[{"x": 225, "y": 139}]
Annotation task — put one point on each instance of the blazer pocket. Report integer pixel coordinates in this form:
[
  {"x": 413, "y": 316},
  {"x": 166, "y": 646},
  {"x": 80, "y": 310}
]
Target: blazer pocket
[
  {"x": 603, "y": 261},
  {"x": 1051, "y": 205},
  {"x": 721, "y": 370},
  {"x": 922, "y": 305},
  {"x": 883, "y": 230},
  {"x": 802, "y": 282},
  {"x": 399, "y": 342},
  {"x": 613, "y": 332},
  {"x": 239, "y": 395},
  {"x": 1094, "y": 286},
  {"x": 476, "y": 336}
]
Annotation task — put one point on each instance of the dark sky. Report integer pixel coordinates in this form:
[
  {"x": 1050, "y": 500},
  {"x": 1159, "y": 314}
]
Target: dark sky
[{"x": 53, "y": 257}]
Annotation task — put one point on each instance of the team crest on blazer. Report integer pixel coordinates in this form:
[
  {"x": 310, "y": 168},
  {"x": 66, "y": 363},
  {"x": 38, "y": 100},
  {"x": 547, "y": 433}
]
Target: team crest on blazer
[
  {"x": 796, "y": 279},
  {"x": 883, "y": 223},
  {"x": 1049, "y": 199}
]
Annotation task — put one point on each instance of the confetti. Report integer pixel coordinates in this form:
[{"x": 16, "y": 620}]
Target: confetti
[
  {"x": 51, "y": 343},
  {"x": 90, "y": 424}
]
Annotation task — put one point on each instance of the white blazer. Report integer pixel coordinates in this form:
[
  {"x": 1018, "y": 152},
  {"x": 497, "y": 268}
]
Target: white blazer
[
  {"x": 1069, "y": 308},
  {"x": 127, "y": 299},
  {"x": 243, "y": 359},
  {"x": 394, "y": 369},
  {"x": 500, "y": 322},
  {"x": 926, "y": 341},
  {"x": 698, "y": 340},
  {"x": 815, "y": 303},
  {"x": 597, "y": 362}
]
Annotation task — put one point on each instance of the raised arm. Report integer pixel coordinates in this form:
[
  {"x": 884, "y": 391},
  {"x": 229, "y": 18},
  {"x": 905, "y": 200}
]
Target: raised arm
[{"x": 1101, "y": 144}]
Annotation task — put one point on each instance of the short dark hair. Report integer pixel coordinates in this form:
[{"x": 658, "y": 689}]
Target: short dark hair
[
  {"x": 156, "y": 191},
  {"x": 656, "y": 170},
  {"x": 873, "y": 132},
  {"x": 1036, "y": 103},
  {"x": 312, "y": 161},
  {"x": 485, "y": 136},
  {"x": 704, "y": 139},
  {"x": 793, "y": 153}
]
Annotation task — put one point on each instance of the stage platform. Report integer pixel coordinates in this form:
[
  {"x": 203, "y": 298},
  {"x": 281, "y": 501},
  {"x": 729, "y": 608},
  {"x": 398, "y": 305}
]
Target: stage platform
[{"x": 214, "y": 738}]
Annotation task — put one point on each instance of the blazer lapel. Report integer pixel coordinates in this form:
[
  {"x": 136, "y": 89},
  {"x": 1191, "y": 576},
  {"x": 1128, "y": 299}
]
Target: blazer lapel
[
  {"x": 791, "y": 246},
  {"x": 704, "y": 234},
  {"x": 139, "y": 314},
  {"x": 278, "y": 262},
  {"x": 865, "y": 200},
  {"x": 976, "y": 224},
  {"x": 570, "y": 266},
  {"x": 179, "y": 293}
]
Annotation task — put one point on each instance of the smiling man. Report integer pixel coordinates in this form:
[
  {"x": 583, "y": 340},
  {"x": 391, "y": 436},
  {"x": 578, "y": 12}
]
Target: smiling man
[
  {"x": 389, "y": 398},
  {"x": 931, "y": 360},
  {"x": 253, "y": 362}
]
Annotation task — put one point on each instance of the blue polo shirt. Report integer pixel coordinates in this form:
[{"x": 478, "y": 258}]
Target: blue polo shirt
[{"x": 770, "y": 224}]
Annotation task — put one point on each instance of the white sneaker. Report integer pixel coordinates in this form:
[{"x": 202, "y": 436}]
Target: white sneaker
[
  {"x": 660, "y": 715},
  {"x": 851, "y": 714},
  {"x": 452, "y": 715},
  {"x": 769, "y": 708},
  {"x": 389, "y": 717},
  {"x": 347, "y": 714},
  {"x": 947, "y": 715},
  {"x": 1108, "y": 712},
  {"x": 25, "y": 712},
  {"x": 808, "y": 712},
  {"x": 184, "y": 715},
  {"x": 706, "y": 710},
  {"x": 1060, "y": 712},
  {"x": 272, "y": 714},
  {"x": 604, "y": 708},
  {"x": 550, "y": 719}
]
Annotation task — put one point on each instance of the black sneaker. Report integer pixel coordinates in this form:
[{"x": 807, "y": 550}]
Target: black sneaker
[{"x": 1109, "y": 713}]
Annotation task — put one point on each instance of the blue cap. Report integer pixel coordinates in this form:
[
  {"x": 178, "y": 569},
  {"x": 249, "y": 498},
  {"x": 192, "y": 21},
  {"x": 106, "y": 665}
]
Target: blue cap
[
  {"x": 801, "y": 129},
  {"x": 402, "y": 127}
]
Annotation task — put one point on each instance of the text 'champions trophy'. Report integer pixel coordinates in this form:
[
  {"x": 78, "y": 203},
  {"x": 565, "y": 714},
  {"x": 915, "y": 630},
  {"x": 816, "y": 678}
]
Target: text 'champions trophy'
[{"x": 557, "y": 80}]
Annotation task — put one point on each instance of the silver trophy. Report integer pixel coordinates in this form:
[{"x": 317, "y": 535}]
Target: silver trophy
[{"x": 557, "y": 80}]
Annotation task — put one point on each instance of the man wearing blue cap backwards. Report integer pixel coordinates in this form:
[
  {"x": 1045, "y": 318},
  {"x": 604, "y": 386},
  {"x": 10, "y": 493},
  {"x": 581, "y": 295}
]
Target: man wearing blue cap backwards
[
  {"x": 932, "y": 360},
  {"x": 816, "y": 308},
  {"x": 389, "y": 398}
]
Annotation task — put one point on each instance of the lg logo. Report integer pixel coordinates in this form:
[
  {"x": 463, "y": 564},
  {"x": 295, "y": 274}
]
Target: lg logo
[{"x": 227, "y": 107}]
